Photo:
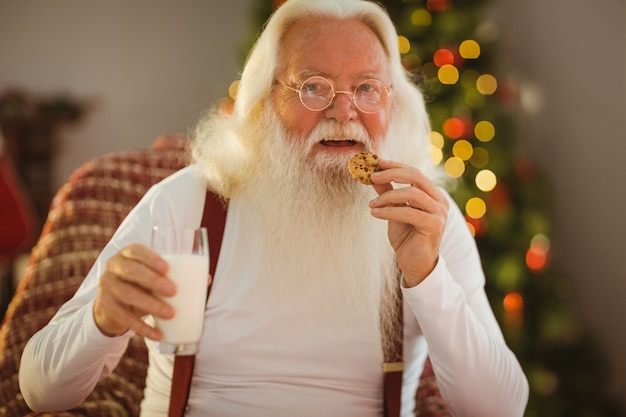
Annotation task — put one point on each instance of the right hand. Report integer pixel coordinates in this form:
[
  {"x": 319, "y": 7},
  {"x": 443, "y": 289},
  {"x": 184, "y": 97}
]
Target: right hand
[{"x": 126, "y": 293}]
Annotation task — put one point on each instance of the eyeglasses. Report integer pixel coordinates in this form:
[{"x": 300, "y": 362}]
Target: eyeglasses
[{"x": 317, "y": 93}]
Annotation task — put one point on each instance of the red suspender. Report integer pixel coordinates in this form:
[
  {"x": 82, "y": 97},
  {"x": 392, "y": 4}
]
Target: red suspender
[
  {"x": 394, "y": 365},
  {"x": 214, "y": 219}
]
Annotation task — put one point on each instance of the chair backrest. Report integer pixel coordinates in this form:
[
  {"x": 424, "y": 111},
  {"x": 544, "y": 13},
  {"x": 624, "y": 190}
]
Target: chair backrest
[{"x": 83, "y": 216}]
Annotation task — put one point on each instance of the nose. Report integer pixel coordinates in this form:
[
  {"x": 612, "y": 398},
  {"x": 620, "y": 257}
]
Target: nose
[{"x": 342, "y": 107}]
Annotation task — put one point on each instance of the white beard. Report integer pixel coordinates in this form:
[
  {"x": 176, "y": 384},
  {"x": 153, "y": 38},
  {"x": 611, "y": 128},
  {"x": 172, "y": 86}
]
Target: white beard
[{"x": 319, "y": 230}]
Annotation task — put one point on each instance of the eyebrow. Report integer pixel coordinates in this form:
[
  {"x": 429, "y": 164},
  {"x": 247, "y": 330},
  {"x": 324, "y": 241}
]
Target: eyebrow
[{"x": 308, "y": 73}]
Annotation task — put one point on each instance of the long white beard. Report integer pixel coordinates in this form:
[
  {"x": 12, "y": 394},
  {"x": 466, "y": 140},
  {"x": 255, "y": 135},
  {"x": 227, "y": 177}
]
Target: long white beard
[{"x": 317, "y": 223}]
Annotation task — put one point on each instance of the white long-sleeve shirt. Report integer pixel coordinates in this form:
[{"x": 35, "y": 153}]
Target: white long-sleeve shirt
[{"x": 271, "y": 364}]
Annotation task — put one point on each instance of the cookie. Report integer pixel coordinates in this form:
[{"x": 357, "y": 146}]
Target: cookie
[{"x": 362, "y": 165}]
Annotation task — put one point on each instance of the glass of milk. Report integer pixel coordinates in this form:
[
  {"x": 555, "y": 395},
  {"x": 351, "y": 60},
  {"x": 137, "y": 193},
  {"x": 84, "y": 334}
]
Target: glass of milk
[{"x": 187, "y": 253}]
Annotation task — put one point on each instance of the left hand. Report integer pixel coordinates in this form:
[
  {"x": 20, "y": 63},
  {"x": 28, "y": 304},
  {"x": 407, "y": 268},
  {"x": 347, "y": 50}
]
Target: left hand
[{"x": 417, "y": 215}]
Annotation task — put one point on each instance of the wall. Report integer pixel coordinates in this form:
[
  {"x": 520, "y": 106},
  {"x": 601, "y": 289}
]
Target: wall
[
  {"x": 150, "y": 66},
  {"x": 147, "y": 67},
  {"x": 574, "y": 52}
]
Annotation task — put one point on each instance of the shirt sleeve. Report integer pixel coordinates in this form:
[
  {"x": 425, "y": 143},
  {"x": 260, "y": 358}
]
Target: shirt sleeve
[
  {"x": 62, "y": 363},
  {"x": 476, "y": 371}
]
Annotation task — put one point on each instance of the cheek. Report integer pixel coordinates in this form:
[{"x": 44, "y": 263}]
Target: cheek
[
  {"x": 294, "y": 116},
  {"x": 377, "y": 126}
]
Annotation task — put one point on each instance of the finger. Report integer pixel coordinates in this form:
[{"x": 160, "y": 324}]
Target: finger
[
  {"x": 403, "y": 174},
  {"x": 120, "y": 305},
  {"x": 140, "y": 266},
  {"x": 137, "y": 299},
  {"x": 125, "y": 320},
  {"x": 403, "y": 213},
  {"x": 410, "y": 197},
  {"x": 145, "y": 255}
]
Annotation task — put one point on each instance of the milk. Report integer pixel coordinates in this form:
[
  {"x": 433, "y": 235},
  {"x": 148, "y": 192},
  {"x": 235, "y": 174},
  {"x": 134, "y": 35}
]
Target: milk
[{"x": 190, "y": 273}]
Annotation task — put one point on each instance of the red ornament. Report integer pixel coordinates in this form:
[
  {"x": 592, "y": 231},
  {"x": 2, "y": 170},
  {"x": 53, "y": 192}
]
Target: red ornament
[
  {"x": 479, "y": 226},
  {"x": 437, "y": 5},
  {"x": 458, "y": 127},
  {"x": 443, "y": 56}
]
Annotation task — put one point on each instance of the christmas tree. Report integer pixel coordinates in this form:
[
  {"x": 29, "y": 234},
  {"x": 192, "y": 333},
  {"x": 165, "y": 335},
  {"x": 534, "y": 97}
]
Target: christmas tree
[{"x": 452, "y": 50}]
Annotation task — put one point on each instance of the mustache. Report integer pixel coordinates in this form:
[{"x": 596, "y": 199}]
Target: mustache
[{"x": 333, "y": 130}]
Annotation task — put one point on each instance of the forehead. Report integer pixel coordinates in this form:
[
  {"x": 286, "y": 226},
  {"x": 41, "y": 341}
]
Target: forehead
[{"x": 334, "y": 48}]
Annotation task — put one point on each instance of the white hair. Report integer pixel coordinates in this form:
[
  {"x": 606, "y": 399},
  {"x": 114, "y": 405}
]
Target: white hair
[{"x": 409, "y": 126}]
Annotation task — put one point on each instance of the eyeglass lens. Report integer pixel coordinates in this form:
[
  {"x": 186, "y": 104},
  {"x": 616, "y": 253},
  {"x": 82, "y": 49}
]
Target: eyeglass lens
[{"x": 317, "y": 93}]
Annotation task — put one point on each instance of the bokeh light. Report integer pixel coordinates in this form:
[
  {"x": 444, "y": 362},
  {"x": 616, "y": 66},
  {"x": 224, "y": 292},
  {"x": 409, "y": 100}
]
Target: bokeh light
[
  {"x": 468, "y": 79},
  {"x": 436, "y": 139},
  {"x": 232, "y": 89},
  {"x": 486, "y": 84},
  {"x": 480, "y": 157},
  {"x": 454, "y": 128},
  {"x": 469, "y": 49},
  {"x": 474, "y": 99},
  {"x": 437, "y": 5},
  {"x": 443, "y": 57},
  {"x": 404, "y": 45},
  {"x": 448, "y": 74},
  {"x": 462, "y": 149},
  {"x": 436, "y": 154},
  {"x": 537, "y": 253},
  {"x": 475, "y": 207},
  {"x": 429, "y": 70},
  {"x": 454, "y": 167},
  {"x": 513, "y": 302},
  {"x": 486, "y": 180},
  {"x": 421, "y": 17},
  {"x": 484, "y": 131}
]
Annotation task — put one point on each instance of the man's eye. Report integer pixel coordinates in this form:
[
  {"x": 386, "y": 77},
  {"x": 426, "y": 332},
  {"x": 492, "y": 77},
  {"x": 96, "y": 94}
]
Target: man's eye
[
  {"x": 317, "y": 89},
  {"x": 367, "y": 88},
  {"x": 310, "y": 87}
]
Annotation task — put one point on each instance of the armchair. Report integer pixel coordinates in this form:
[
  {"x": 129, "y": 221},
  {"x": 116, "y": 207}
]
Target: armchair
[{"x": 83, "y": 216}]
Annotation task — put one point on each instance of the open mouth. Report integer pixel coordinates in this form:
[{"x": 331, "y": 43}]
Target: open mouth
[{"x": 339, "y": 143}]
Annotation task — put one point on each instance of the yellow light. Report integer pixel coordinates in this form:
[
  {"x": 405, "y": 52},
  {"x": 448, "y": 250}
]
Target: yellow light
[
  {"x": 480, "y": 157},
  {"x": 232, "y": 89},
  {"x": 436, "y": 154},
  {"x": 540, "y": 241},
  {"x": 469, "y": 49},
  {"x": 486, "y": 84},
  {"x": 484, "y": 131},
  {"x": 462, "y": 149},
  {"x": 436, "y": 139},
  {"x": 454, "y": 167},
  {"x": 404, "y": 44},
  {"x": 486, "y": 180},
  {"x": 421, "y": 17},
  {"x": 448, "y": 74},
  {"x": 475, "y": 207}
]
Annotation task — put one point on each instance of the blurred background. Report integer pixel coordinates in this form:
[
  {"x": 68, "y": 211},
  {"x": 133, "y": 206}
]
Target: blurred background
[{"x": 529, "y": 116}]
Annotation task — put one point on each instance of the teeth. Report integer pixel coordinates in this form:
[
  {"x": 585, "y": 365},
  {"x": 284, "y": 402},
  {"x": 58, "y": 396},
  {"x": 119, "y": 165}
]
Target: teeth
[
  {"x": 343, "y": 142},
  {"x": 351, "y": 141}
]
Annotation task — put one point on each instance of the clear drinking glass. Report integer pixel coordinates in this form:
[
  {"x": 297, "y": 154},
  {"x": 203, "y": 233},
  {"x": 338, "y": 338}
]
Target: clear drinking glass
[{"x": 187, "y": 253}]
